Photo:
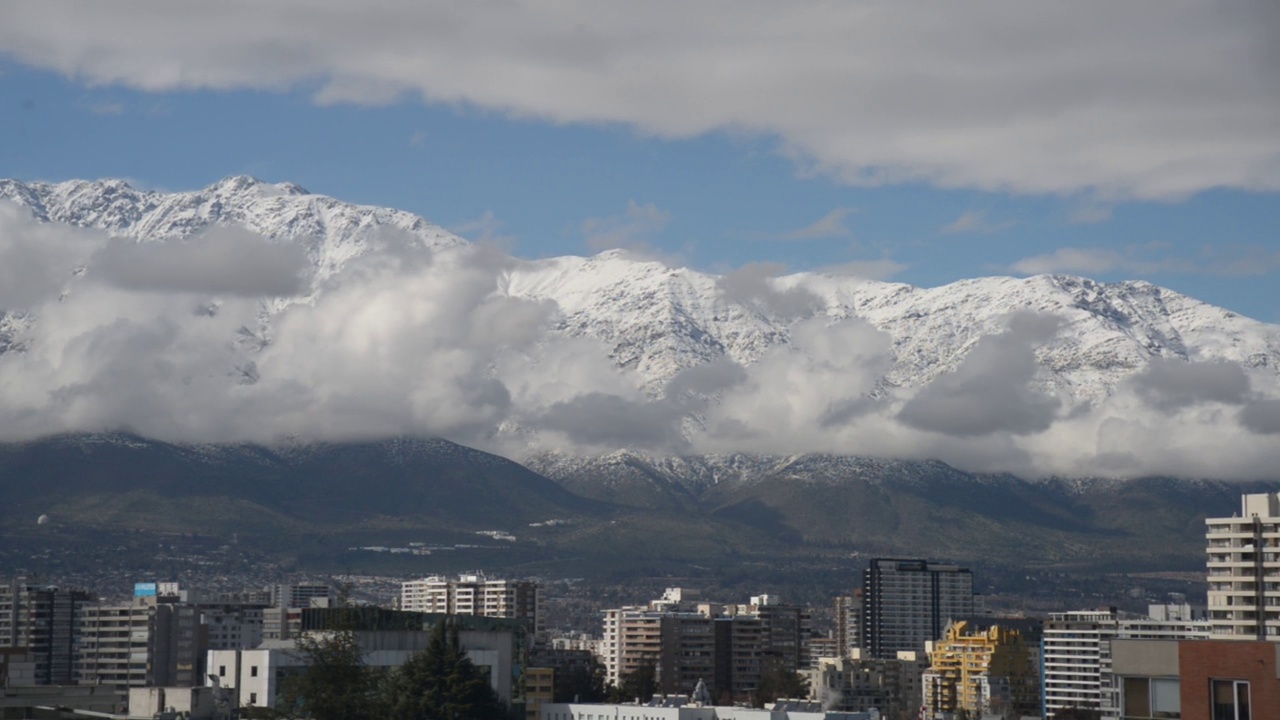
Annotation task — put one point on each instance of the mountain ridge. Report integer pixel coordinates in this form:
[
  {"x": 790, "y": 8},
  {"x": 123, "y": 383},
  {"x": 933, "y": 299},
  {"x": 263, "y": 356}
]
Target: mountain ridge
[{"x": 704, "y": 351}]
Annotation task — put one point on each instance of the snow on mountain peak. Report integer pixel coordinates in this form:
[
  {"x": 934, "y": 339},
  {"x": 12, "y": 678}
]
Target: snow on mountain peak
[{"x": 809, "y": 362}]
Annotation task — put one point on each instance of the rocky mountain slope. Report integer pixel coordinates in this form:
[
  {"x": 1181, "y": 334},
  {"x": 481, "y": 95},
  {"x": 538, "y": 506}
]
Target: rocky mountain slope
[{"x": 314, "y": 503}]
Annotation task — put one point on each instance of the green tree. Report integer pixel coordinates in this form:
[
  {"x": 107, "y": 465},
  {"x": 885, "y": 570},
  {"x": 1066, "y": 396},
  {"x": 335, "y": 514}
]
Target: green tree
[
  {"x": 640, "y": 683},
  {"x": 441, "y": 683},
  {"x": 335, "y": 685},
  {"x": 580, "y": 683},
  {"x": 778, "y": 682}
]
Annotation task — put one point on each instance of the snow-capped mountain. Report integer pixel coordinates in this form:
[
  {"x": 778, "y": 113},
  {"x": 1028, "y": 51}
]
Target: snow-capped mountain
[
  {"x": 661, "y": 320},
  {"x": 332, "y": 231},
  {"x": 656, "y": 321}
]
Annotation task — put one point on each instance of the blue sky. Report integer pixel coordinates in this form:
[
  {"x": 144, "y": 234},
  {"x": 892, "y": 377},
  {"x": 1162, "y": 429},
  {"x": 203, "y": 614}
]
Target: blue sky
[{"x": 1181, "y": 188}]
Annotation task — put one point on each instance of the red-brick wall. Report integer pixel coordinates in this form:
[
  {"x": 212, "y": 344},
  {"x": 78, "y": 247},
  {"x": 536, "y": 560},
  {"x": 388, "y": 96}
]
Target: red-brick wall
[{"x": 1200, "y": 661}]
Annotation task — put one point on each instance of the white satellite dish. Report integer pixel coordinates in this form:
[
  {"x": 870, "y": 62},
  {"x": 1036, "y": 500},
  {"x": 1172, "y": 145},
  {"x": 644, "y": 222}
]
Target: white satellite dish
[{"x": 42, "y": 520}]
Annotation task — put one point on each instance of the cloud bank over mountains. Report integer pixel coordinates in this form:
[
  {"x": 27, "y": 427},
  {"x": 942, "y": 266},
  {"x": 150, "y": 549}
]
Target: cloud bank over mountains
[
  {"x": 1142, "y": 99},
  {"x": 227, "y": 334}
]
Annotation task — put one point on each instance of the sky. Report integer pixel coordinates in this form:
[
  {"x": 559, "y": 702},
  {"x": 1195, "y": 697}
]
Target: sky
[{"x": 922, "y": 144}]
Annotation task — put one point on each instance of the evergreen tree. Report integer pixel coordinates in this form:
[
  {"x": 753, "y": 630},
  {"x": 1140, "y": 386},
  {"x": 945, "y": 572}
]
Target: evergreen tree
[
  {"x": 778, "y": 682},
  {"x": 441, "y": 683},
  {"x": 335, "y": 685},
  {"x": 580, "y": 683},
  {"x": 640, "y": 683}
]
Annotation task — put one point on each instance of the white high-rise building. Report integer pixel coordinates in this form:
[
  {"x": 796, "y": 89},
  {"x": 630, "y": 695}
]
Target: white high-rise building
[
  {"x": 1076, "y": 652},
  {"x": 1244, "y": 570},
  {"x": 474, "y": 595}
]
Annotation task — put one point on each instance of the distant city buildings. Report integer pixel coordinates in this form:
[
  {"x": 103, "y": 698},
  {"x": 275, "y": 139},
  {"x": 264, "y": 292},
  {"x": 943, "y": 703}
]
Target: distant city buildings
[
  {"x": 907, "y": 643},
  {"x": 729, "y": 647},
  {"x": 474, "y": 594},
  {"x": 907, "y": 603},
  {"x": 857, "y": 684}
]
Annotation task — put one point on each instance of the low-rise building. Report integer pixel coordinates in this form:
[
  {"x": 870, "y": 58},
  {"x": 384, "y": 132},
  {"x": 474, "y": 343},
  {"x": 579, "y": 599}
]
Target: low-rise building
[
  {"x": 1193, "y": 680},
  {"x": 861, "y": 684}
]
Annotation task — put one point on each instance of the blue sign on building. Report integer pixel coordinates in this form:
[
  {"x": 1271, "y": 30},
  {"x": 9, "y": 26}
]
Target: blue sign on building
[{"x": 147, "y": 589}]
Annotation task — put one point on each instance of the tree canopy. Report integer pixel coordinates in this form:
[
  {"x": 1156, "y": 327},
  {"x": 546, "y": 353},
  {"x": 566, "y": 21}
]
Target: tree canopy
[{"x": 437, "y": 683}]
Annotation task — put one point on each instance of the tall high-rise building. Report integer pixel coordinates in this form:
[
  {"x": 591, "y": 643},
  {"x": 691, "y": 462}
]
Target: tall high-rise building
[
  {"x": 1244, "y": 569},
  {"x": 848, "y": 617},
  {"x": 474, "y": 595},
  {"x": 42, "y": 620},
  {"x": 907, "y": 603}
]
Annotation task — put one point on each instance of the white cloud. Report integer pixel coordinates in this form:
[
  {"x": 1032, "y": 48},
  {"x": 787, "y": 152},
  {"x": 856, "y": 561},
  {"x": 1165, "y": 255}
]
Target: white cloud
[
  {"x": 831, "y": 225},
  {"x": 1146, "y": 98},
  {"x": 881, "y": 269},
  {"x": 486, "y": 230},
  {"x": 631, "y": 230},
  {"x": 974, "y": 221},
  {"x": 1088, "y": 261},
  {"x": 1153, "y": 258},
  {"x": 1090, "y": 214},
  {"x": 404, "y": 341}
]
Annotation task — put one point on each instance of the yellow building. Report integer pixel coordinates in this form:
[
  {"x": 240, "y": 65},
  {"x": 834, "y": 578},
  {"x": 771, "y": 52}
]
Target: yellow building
[
  {"x": 539, "y": 687},
  {"x": 980, "y": 671}
]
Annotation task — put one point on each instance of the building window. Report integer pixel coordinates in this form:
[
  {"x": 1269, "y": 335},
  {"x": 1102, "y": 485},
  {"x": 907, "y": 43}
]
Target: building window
[
  {"x": 253, "y": 671},
  {"x": 222, "y": 671},
  {"x": 253, "y": 698},
  {"x": 1230, "y": 700},
  {"x": 1148, "y": 698}
]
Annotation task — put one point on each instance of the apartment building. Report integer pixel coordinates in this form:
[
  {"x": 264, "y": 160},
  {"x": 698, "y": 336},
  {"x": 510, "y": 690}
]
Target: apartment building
[
  {"x": 857, "y": 684},
  {"x": 474, "y": 594},
  {"x": 909, "y": 602},
  {"x": 1244, "y": 570},
  {"x": 41, "y": 620},
  {"x": 981, "y": 671},
  {"x": 1076, "y": 651},
  {"x": 728, "y": 647}
]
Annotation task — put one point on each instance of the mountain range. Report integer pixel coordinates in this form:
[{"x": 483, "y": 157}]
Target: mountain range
[
  {"x": 660, "y": 320},
  {"x": 662, "y": 413}
]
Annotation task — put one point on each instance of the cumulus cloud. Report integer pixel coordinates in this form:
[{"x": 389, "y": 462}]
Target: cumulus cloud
[
  {"x": 999, "y": 97},
  {"x": 991, "y": 390},
  {"x": 601, "y": 421},
  {"x": 405, "y": 341},
  {"x": 37, "y": 261},
  {"x": 1262, "y": 416},
  {"x": 1170, "y": 384},
  {"x": 220, "y": 261},
  {"x": 752, "y": 285}
]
